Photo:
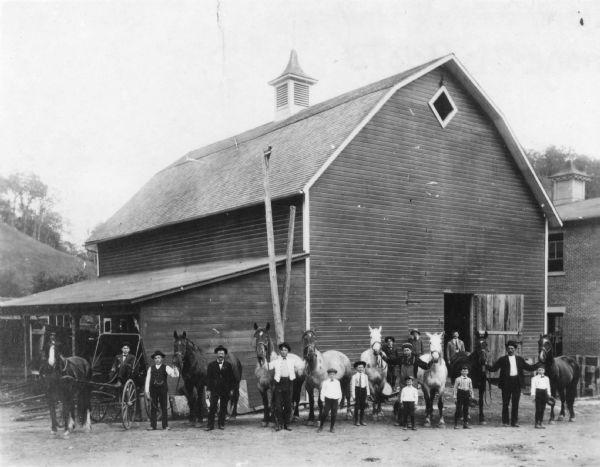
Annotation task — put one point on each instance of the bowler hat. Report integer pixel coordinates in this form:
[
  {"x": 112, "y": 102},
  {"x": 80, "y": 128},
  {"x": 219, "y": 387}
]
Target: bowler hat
[
  {"x": 390, "y": 338},
  {"x": 331, "y": 370},
  {"x": 359, "y": 362},
  {"x": 125, "y": 344},
  {"x": 286, "y": 345},
  {"x": 408, "y": 377},
  {"x": 406, "y": 345},
  {"x": 220, "y": 347},
  {"x": 156, "y": 353},
  {"x": 512, "y": 344},
  {"x": 415, "y": 331}
]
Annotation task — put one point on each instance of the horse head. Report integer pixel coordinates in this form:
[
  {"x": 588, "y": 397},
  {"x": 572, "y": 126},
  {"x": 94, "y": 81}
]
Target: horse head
[
  {"x": 262, "y": 344},
  {"x": 180, "y": 348},
  {"x": 435, "y": 345},
  {"x": 481, "y": 347},
  {"x": 545, "y": 348},
  {"x": 309, "y": 344},
  {"x": 375, "y": 339}
]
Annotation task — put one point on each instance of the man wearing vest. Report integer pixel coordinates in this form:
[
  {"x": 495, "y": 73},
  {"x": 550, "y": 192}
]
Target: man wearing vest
[
  {"x": 219, "y": 381},
  {"x": 511, "y": 381},
  {"x": 157, "y": 390},
  {"x": 284, "y": 376}
]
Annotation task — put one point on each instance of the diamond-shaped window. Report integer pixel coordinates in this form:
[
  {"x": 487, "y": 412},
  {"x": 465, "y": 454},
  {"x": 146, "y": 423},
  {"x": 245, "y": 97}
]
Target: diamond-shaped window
[{"x": 443, "y": 106}]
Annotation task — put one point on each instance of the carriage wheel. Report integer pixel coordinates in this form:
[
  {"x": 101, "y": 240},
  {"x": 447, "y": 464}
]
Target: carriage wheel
[
  {"x": 99, "y": 408},
  {"x": 128, "y": 404}
]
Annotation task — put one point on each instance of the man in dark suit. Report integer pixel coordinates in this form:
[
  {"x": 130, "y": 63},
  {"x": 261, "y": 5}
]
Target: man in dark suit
[
  {"x": 391, "y": 357},
  {"x": 219, "y": 381},
  {"x": 454, "y": 346},
  {"x": 122, "y": 365},
  {"x": 511, "y": 381}
]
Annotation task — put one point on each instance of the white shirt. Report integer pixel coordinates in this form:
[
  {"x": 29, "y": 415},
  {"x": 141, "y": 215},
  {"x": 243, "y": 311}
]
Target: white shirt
[
  {"x": 409, "y": 394},
  {"x": 513, "y": 365},
  {"x": 171, "y": 371},
  {"x": 277, "y": 365},
  {"x": 331, "y": 390},
  {"x": 360, "y": 380},
  {"x": 540, "y": 382}
]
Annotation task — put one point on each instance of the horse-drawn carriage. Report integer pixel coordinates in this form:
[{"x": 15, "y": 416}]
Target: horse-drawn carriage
[{"x": 107, "y": 396}]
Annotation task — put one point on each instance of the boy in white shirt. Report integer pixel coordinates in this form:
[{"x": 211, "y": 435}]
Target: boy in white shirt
[
  {"x": 463, "y": 393},
  {"x": 359, "y": 387},
  {"x": 408, "y": 398},
  {"x": 540, "y": 392},
  {"x": 331, "y": 396}
]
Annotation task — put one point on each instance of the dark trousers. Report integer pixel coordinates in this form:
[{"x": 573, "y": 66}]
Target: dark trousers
[
  {"x": 158, "y": 396},
  {"x": 216, "y": 399},
  {"x": 541, "y": 398},
  {"x": 283, "y": 401},
  {"x": 511, "y": 393},
  {"x": 330, "y": 405},
  {"x": 360, "y": 397},
  {"x": 462, "y": 406},
  {"x": 391, "y": 375},
  {"x": 408, "y": 410}
]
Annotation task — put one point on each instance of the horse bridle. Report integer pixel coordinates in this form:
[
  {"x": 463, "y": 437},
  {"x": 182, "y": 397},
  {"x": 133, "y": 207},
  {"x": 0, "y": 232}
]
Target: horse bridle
[
  {"x": 309, "y": 345},
  {"x": 262, "y": 346}
]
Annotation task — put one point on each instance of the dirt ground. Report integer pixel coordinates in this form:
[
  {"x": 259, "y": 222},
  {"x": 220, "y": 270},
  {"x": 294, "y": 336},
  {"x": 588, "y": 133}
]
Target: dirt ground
[{"x": 245, "y": 443}]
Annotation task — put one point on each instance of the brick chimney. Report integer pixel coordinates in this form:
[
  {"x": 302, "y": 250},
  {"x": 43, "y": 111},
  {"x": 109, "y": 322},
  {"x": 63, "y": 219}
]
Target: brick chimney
[
  {"x": 291, "y": 89},
  {"x": 568, "y": 185}
]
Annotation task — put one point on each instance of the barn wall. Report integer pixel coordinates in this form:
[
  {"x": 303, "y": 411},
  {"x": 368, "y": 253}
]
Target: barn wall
[
  {"x": 411, "y": 210},
  {"x": 233, "y": 235},
  {"x": 224, "y": 313}
]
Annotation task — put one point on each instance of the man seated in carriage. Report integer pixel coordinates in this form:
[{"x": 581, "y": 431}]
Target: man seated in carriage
[{"x": 122, "y": 365}]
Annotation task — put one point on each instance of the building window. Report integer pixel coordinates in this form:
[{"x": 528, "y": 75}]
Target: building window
[
  {"x": 555, "y": 252},
  {"x": 443, "y": 106}
]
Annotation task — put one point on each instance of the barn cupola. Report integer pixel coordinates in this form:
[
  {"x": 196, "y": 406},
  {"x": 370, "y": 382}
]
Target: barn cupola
[
  {"x": 291, "y": 89},
  {"x": 568, "y": 185}
]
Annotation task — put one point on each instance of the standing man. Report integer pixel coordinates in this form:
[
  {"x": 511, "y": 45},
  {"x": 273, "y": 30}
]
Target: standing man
[
  {"x": 391, "y": 357},
  {"x": 416, "y": 342},
  {"x": 284, "y": 376},
  {"x": 123, "y": 365},
  {"x": 454, "y": 346},
  {"x": 219, "y": 383},
  {"x": 409, "y": 366},
  {"x": 157, "y": 390},
  {"x": 511, "y": 381}
]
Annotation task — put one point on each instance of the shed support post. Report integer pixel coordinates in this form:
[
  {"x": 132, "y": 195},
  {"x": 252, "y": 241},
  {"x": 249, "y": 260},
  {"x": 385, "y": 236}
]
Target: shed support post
[{"x": 26, "y": 345}]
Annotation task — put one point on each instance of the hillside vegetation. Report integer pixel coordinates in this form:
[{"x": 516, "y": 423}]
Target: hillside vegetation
[{"x": 28, "y": 266}]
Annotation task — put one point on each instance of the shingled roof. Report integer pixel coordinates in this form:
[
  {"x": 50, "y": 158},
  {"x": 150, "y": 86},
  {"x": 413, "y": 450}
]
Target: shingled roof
[{"x": 228, "y": 174}]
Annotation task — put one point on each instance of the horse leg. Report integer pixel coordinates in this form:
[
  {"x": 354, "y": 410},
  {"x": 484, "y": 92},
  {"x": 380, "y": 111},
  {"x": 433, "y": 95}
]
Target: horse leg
[
  {"x": 311, "y": 404},
  {"x": 52, "y": 408},
  {"x": 234, "y": 401},
  {"x": 264, "y": 394},
  {"x": 85, "y": 408},
  {"x": 428, "y": 407},
  {"x": 561, "y": 393},
  {"x": 441, "y": 409},
  {"x": 320, "y": 405},
  {"x": 481, "y": 396}
]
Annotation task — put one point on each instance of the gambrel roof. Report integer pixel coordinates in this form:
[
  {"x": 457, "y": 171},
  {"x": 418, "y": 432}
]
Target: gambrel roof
[{"x": 228, "y": 175}]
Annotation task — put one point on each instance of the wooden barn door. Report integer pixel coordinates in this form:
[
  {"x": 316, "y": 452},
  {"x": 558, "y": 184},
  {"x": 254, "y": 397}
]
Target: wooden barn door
[{"x": 502, "y": 317}]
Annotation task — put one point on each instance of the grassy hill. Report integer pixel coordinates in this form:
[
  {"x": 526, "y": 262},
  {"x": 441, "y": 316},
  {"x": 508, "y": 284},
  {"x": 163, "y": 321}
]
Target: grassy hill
[{"x": 22, "y": 258}]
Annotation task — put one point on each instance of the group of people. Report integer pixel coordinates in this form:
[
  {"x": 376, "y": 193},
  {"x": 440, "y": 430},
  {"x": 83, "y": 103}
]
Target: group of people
[{"x": 220, "y": 385}]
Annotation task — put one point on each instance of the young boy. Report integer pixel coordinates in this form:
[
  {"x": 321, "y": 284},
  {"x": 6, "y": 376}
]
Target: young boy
[
  {"x": 540, "y": 391},
  {"x": 156, "y": 388},
  {"x": 408, "y": 398},
  {"x": 331, "y": 395},
  {"x": 359, "y": 386},
  {"x": 463, "y": 392}
]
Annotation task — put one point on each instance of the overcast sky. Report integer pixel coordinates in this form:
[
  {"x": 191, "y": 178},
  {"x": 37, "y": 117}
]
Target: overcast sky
[{"x": 96, "y": 97}]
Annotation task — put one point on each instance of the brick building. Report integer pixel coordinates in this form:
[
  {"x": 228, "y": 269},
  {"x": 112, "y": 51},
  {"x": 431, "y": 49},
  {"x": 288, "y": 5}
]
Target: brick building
[{"x": 573, "y": 314}]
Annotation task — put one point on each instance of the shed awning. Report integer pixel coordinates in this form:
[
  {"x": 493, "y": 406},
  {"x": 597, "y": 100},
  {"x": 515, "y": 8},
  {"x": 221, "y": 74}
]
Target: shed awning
[{"x": 137, "y": 287}]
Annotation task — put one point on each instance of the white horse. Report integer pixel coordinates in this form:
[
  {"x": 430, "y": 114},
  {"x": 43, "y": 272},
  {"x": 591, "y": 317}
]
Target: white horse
[
  {"x": 376, "y": 371},
  {"x": 433, "y": 380}
]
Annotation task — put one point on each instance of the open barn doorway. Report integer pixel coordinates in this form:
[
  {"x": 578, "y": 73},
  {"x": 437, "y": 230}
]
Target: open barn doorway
[{"x": 457, "y": 317}]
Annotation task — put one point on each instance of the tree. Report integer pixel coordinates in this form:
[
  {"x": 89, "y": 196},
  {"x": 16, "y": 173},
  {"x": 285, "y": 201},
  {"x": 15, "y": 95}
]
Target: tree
[{"x": 554, "y": 159}]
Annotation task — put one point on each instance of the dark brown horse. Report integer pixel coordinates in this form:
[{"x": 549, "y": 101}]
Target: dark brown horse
[
  {"x": 66, "y": 382},
  {"x": 192, "y": 362},
  {"x": 265, "y": 354},
  {"x": 563, "y": 373},
  {"x": 475, "y": 362},
  {"x": 317, "y": 365}
]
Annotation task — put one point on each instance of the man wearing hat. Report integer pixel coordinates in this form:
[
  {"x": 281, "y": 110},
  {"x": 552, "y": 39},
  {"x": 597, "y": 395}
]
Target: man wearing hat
[
  {"x": 122, "y": 365},
  {"x": 454, "y": 346},
  {"x": 392, "y": 357},
  {"x": 220, "y": 381},
  {"x": 511, "y": 381},
  {"x": 416, "y": 342},
  {"x": 359, "y": 390},
  {"x": 284, "y": 376},
  {"x": 156, "y": 388}
]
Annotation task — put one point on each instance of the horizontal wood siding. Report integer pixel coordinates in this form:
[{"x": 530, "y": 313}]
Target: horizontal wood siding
[
  {"x": 233, "y": 235},
  {"x": 224, "y": 313},
  {"x": 411, "y": 210}
]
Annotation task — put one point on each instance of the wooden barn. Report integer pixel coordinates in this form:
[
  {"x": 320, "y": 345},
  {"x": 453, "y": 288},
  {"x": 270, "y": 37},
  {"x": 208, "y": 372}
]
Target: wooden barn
[{"x": 415, "y": 207}]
